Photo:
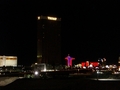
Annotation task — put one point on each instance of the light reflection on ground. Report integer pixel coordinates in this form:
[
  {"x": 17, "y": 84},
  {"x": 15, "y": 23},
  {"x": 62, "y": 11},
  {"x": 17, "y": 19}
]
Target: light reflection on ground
[{"x": 106, "y": 79}]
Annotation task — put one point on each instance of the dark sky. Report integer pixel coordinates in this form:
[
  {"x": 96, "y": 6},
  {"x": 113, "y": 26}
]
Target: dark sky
[{"x": 90, "y": 29}]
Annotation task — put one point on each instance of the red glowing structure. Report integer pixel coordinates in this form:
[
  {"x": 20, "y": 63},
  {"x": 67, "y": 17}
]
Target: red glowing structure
[
  {"x": 87, "y": 63},
  {"x": 95, "y": 64},
  {"x": 69, "y": 60}
]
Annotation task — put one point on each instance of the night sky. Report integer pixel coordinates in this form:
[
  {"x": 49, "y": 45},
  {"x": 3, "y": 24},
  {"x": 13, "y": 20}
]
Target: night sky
[{"x": 90, "y": 29}]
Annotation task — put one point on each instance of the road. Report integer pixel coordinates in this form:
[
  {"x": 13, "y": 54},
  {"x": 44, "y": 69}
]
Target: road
[{"x": 61, "y": 84}]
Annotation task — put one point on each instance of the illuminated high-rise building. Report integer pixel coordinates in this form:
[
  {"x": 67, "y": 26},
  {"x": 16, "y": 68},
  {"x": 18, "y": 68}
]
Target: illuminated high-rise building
[{"x": 49, "y": 40}]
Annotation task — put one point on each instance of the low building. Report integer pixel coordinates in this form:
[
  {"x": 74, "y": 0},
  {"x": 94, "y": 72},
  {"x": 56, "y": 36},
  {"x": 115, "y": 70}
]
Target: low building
[{"x": 8, "y": 61}]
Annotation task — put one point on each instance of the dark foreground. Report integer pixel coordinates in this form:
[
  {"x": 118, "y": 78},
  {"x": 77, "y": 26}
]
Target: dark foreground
[{"x": 62, "y": 84}]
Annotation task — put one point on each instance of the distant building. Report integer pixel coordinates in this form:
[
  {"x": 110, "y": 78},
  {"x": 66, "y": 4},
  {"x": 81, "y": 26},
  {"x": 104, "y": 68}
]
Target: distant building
[
  {"x": 8, "y": 61},
  {"x": 49, "y": 40},
  {"x": 119, "y": 61}
]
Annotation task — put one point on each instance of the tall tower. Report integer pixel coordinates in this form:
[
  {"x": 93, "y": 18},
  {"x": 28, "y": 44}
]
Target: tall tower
[{"x": 49, "y": 40}]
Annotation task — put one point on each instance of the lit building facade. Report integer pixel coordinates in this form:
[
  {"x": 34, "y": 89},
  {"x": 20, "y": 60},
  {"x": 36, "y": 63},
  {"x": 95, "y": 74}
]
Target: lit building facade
[
  {"x": 8, "y": 61},
  {"x": 49, "y": 40}
]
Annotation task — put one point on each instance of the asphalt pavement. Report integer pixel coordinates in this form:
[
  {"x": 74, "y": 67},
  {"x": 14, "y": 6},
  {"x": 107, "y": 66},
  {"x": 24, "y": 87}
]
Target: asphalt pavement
[{"x": 61, "y": 84}]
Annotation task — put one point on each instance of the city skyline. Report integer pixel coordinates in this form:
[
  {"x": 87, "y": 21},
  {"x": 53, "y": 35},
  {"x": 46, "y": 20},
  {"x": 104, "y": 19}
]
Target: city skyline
[{"x": 89, "y": 31}]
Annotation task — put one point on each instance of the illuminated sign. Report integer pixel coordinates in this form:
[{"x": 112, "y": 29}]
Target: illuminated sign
[
  {"x": 95, "y": 64},
  {"x": 52, "y": 18},
  {"x": 69, "y": 60}
]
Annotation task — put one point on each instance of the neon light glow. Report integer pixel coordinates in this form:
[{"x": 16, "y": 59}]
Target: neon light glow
[
  {"x": 69, "y": 60},
  {"x": 52, "y": 18},
  {"x": 94, "y": 64},
  {"x": 38, "y": 17}
]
